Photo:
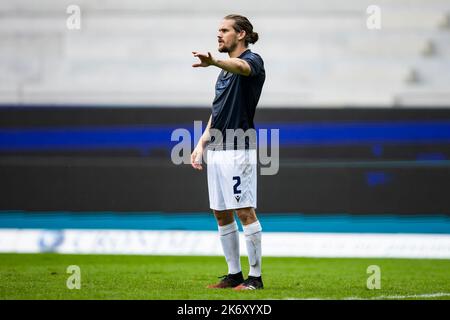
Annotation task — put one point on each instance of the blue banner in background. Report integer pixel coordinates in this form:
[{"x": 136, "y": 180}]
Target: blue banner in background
[{"x": 145, "y": 137}]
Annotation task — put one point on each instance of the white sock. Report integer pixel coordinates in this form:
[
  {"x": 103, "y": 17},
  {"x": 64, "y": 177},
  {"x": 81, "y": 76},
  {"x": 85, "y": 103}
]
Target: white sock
[
  {"x": 252, "y": 234},
  {"x": 229, "y": 237}
]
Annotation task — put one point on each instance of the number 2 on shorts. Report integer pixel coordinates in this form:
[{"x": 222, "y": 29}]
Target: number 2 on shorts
[{"x": 236, "y": 185}]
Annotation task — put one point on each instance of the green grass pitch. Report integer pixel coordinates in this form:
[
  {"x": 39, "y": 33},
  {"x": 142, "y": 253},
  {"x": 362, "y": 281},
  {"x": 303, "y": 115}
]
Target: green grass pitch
[{"x": 44, "y": 276}]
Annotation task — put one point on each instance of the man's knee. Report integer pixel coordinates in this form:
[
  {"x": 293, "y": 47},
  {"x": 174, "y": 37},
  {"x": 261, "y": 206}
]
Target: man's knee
[
  {"x": 246, "y": 215},
  {"x": 224, "y": 217}
]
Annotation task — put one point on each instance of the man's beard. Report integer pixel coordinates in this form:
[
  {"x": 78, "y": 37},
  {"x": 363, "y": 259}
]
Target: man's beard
[{"x": 228, "y": 49}]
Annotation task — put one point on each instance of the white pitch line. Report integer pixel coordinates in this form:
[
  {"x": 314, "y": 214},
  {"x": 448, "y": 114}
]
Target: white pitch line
[
  {"x": 396, "y": 297},
  {"x": 399, "y": 297}
]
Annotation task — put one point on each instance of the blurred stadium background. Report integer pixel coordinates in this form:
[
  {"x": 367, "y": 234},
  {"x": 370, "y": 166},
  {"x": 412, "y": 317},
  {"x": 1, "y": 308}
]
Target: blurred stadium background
[{"x": 86, "y": 118}]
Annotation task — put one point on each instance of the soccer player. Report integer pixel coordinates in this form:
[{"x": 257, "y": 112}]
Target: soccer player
[{"x": 231, "y": 168}]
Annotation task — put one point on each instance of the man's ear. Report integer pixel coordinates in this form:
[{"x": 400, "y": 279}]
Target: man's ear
[{"x": 241, "y": 35}]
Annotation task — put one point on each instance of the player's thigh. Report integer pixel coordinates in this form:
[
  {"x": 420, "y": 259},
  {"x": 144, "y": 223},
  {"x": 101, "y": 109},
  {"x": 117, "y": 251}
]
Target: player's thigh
[
  {"x": 238, "y": 179},
  {"x": 214, "y": 181}
]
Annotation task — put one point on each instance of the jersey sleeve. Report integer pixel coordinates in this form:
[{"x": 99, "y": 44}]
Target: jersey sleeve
[{"x": 255, "y": 62}]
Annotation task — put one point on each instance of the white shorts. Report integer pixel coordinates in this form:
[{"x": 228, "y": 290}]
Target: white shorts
[{"x": 231, "y": 179}]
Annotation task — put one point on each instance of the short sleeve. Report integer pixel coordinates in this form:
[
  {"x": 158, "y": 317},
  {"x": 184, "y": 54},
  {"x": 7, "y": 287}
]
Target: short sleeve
[{"x": 255, "y": 62}]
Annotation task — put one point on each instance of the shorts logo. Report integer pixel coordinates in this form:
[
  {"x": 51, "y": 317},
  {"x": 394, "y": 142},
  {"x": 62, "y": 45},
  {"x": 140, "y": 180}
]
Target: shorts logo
[{"x": 237, "y": 198}]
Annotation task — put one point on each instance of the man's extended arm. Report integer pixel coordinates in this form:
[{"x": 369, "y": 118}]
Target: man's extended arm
[
  {"x": 196, "y": 156},
  {"x": 233, "y": 65}
]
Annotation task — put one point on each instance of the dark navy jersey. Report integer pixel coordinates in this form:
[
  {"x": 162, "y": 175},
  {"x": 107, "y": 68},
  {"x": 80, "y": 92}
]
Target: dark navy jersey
[{"x": 237, "y": 96}]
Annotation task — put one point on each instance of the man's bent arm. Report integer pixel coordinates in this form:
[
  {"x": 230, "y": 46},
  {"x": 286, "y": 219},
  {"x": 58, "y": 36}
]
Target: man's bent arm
[{"x": 233, "y": 65}]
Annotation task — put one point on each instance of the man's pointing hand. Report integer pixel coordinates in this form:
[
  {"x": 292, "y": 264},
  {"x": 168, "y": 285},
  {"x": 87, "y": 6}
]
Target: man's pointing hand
[{"x": 205, "y": 59}]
